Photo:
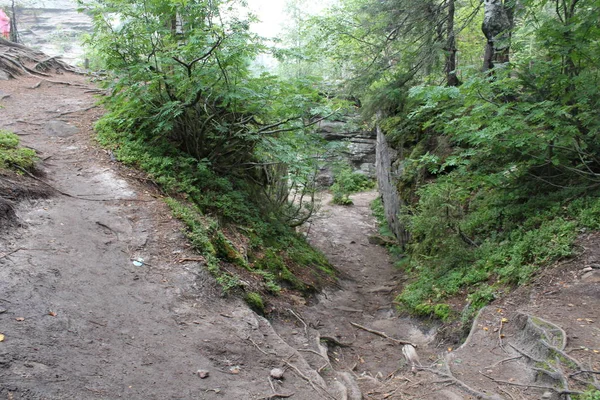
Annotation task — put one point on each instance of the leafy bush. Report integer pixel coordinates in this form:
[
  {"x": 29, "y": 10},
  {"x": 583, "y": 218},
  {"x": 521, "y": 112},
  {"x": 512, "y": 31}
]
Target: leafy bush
[
  {"x": 232, "y": 148},
  {"x": 11, "y": 155},
  {"x": 347, "y": 182},
  {"x": 506, "y": 198},
  {"x": 591, "y": 394}
]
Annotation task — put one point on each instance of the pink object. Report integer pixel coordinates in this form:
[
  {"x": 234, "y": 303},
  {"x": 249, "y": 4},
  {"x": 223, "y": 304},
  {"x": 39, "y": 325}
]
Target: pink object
[{"x": 4, "y": 24}]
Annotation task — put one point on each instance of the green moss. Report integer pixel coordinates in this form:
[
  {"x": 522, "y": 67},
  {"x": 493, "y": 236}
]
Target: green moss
[
  {"x": 12, "y": 156},
  {"x": 255, "y": 301},
  {"x": 275, "y": 264},
  {"x": 226, "y": 251}
]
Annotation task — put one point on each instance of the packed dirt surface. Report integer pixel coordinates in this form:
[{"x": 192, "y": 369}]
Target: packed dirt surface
[{"x": 100, "y": 297}]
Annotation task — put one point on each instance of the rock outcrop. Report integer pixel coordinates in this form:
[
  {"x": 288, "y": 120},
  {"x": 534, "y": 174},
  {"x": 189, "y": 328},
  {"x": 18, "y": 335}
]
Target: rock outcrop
[
  {"x": 54, "y": 27},
  {"x": 360, "y": 144},
  {"x": 386, "y": 173}
]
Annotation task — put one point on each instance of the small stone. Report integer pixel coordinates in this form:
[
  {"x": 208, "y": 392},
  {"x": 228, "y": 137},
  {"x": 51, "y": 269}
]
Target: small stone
[
  {"x": 277, "y": 373},
  {"x": 591, "y": 277},
  {"x": 587, "y": 269},
  {"x": 547, "y": 395},
  {"x": 203, "y": 374}
]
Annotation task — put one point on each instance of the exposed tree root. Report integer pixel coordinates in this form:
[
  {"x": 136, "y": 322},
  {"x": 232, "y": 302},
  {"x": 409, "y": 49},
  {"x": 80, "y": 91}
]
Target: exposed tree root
[
  {"x": 382, "y": 334},
  {"x": 16, "y": 59},
  {"x": 462, "y": 385}
]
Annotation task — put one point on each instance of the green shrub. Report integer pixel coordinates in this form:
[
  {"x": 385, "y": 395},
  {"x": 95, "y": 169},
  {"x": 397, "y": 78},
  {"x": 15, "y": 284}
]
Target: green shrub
[
  {"x": 12, "y": 156},
  {"x": 347, "y": 182},
  {"x": 590, "y": 394}
]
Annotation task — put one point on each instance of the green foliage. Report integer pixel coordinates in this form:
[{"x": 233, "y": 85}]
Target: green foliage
[
  {"x": 255, "y": 301},
  {"x": 590, "y": 394},
  {"x": 235, "y": 149},
  {"x": 347, "y": 182},
  {"x": 11, "y": 155}
]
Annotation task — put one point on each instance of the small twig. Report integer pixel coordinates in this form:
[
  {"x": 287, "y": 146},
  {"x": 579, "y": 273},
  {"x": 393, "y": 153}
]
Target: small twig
[
  {"x": 23, "y": 248},
  {"x": 500, "y": 335},
  {"x": 196, "y": 259},
  {"x": 584, "y": 371},
  {"x": 528, "y": 385},
  {"x": 75, "y": 111},
  {"x": 494, "y": 365},
  {"x": 312, "y": 351},
  {"x": 382, "y": 334},
  {"x": 97, "y": 323},
  {"x": 261, "y": 350},
  {"x": 277, "y": 396},
  {"x": 11, "y": 252},
  {"x": 299, "y": 319},
  {"x": 272, "y": 387}
]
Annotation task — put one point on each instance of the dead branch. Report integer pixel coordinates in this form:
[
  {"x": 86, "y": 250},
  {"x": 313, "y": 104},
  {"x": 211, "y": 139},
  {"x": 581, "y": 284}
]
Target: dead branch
[
  {"x": 382, "y": 334},
  {"x": 299, "y": 319}
]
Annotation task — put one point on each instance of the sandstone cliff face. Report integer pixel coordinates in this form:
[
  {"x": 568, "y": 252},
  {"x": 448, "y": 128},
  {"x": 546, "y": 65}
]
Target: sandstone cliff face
[
  {"x": 387, "y": 170},
  {"x": 54, "y": 27},
  {"x": 360, "y": 145}
]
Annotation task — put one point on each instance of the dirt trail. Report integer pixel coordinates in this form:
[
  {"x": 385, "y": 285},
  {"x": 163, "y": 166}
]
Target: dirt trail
[
  {"x": 81, "y": 321},
  {"x": 369, "y": 282}
]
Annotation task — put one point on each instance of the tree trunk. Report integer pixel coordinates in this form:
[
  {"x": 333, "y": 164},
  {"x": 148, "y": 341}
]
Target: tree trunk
[
  {"x": 497, "y": 25},
  {"x": 451, "y": 77},
  {"x": 14, "y": 33}
]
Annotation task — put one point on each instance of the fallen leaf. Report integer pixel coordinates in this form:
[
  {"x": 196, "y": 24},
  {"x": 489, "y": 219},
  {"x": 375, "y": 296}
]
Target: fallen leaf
[
  {"x": 485, "y": 328},
  {"x": 20, "y": 319},
  {"x": 1, "y": 337},
  {"x": 504, "y": 320},
  {"x": 234, "y": 370},
  {"x": 52, "y": 314},
  {"x": 449, "y": 348},
  {"x": 596, "y": 351}
]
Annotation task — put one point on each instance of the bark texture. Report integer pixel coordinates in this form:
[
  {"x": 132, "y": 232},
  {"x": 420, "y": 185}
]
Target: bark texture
[{"x": 497, "y": 26}]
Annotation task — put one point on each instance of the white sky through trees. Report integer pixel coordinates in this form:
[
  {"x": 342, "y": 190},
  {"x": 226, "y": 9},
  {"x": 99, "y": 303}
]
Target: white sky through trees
[{"x": 273, "y": 16}]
